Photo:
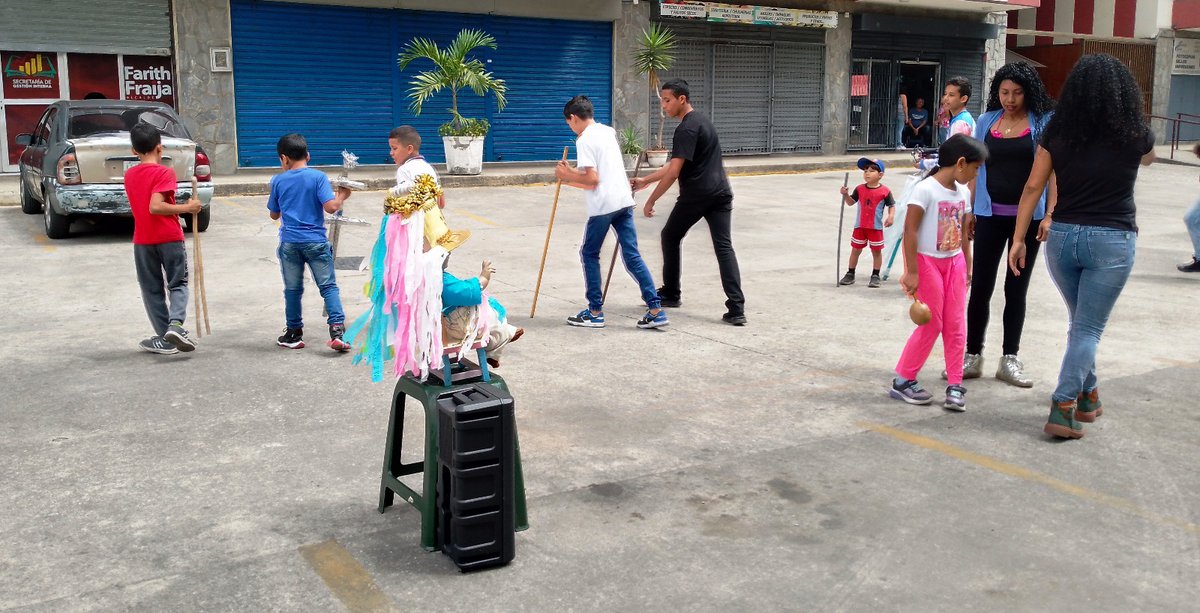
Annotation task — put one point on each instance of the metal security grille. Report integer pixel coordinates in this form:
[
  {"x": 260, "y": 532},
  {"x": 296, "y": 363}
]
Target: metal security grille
[
  {"x": 134, "y": 27},
  {"x": 742, "y": 97},
  {"x": 762, "y": 87}
]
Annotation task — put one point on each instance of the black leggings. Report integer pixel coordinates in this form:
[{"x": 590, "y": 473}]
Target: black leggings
[{"x": 993, "y": 239}]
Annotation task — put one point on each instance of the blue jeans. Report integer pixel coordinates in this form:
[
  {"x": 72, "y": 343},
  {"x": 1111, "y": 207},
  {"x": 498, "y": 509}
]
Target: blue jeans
[
  {"x": 1192, "y": 219},
  {"x": 319, "y": 257},
  {"x": 1090, "y": 265},
  {"x": 593, "y": 239}
]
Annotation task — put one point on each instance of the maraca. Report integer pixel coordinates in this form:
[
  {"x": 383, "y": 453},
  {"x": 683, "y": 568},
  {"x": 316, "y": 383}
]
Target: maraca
[{"x": 919, "y": 312}]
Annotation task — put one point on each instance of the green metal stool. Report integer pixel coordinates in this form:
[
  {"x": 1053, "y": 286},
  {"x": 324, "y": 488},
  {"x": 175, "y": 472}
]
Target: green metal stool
[{"x": 393, "y": 468}]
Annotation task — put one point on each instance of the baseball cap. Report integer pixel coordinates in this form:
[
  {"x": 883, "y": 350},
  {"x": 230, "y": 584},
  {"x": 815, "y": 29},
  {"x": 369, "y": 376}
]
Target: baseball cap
[{"x": 862, "y": 164}]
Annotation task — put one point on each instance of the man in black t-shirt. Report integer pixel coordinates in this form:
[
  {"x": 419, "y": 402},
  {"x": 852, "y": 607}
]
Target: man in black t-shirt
[{"x": 704, "y": 193}]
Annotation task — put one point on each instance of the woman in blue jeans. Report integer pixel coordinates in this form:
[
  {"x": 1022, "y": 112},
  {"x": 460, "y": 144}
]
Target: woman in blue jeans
[{"x": 1092, "y": 146}]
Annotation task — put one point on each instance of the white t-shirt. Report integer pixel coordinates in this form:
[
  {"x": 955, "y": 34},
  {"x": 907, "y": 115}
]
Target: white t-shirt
[
  {"x": 941, "y": 233},
  {"x": 407, "y": 173},
  {"x": 597, "y": 148}
]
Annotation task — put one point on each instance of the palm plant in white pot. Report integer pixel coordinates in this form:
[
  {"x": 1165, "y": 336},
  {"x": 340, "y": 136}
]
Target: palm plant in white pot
[
  {"x": 454, "y": 70},
  {"x": 654, "y": 54}
]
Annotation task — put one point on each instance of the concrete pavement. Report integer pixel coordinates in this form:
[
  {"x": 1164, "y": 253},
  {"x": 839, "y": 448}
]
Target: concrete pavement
[{"x": 703, "y": 467}]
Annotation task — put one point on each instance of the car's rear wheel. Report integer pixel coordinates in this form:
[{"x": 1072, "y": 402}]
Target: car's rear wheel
[
  {"x": 189, "y": 223},
  {"x": 57, "y": 226},
  {"x": 29, "y": 206}
]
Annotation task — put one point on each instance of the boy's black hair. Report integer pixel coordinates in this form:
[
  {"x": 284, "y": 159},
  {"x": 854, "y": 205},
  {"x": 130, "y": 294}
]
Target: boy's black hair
[
  {"x": 678, "y": 88},
  {"x": 292, "y": 146},
  {"x": 579, "y": 106},
  {"x": 963, "y": 85},
  {"x": 407, "y": 135},
  {"x": 961, "y": 146},
  {"x": 144, "y": 137}
]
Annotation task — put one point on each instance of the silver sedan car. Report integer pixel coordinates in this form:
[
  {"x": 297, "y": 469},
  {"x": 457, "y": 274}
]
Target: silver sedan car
[{"x": 74, "y": 163}]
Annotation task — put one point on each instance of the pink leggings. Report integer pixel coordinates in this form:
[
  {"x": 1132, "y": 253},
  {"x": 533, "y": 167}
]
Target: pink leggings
[{"x": 942, "y": 284}]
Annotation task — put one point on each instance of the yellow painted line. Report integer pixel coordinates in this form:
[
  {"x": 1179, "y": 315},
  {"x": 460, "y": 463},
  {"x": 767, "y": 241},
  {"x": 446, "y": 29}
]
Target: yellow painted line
[
  {"x": 474, "y": 217},
  {"x": 1019, "y": 472},
  {"x": 345, "y": 577},
  {"x": 41, "y": 239}
]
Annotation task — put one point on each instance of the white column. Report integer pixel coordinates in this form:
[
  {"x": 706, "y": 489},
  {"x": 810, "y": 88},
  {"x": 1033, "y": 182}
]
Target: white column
[
  {"x": 1064, "y": 19},
  {"x": 1103, "y": 17}
]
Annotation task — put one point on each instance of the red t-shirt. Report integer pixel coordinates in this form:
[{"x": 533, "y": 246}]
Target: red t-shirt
[{"x": 142, "y": 182}]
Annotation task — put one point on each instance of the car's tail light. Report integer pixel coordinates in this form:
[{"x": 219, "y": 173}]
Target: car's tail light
[
  {"x": 203, "y": 169},
  {"x": 68, "y": 169}
]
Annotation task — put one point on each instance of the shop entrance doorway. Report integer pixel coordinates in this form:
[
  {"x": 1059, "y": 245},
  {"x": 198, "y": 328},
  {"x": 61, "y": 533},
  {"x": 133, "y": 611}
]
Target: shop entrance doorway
[{"x": 919, "y": 82}]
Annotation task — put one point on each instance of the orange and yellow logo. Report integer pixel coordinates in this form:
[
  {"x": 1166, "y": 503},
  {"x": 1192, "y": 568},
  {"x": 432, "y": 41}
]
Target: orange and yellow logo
[{"x": 30, "y": 65}]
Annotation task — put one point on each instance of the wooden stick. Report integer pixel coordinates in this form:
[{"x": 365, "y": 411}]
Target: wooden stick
[
  {"x": 546, "y": 249},
  {"x": 841, "y": 216},
  {"x": 637, "y": 169},
  {"x": 198, "y": 273}
]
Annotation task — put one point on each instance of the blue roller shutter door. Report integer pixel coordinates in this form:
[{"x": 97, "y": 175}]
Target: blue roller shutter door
[{"x": 345, "y": 90}]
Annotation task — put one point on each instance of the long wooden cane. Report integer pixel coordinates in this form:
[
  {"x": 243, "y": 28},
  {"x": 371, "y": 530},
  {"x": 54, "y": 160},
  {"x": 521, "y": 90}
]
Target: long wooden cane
[
  {"x": 841, "y": 217},
  {"x": 637, "y": 169},
  {"x": 546, "y": 249},
  {"x": 198, "y": 272}
]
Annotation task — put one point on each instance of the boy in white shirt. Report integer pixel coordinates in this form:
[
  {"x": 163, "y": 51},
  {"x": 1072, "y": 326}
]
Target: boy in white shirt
[
  {"x": 601, "y": 171},
  {"x": 405, "y": 145}
]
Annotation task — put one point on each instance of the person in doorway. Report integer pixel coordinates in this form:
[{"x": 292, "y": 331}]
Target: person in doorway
[
  {"x": 901, "y": 120},
  {"x": 955, "y": 97},
  {"x": 1192, "y": 219},
  {"x": 704, "y": 193},
  {"x": 936, "y": 261},
  {"x": 1092, "y": 148},
  {"x": 1018, "y": 108},
  {"x": 300, "y": 197},
  {"x": 159, "y": 255},
  {"x": 601, "y": 172},
  {"x": 918, "y": 123},
  {"x": 873, "y": 200}
]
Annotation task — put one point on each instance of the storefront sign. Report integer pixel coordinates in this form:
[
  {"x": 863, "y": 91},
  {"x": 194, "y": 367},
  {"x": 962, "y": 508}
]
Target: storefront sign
[
  {"x": 30, "y": 75},
  {"x": 860, "y": 85},
  {"x": 148, "y": 78},
  {"x": 1187, "y": 57},
  {"x": 718, "y": 12},
  {"x": 683, "y": 10}
]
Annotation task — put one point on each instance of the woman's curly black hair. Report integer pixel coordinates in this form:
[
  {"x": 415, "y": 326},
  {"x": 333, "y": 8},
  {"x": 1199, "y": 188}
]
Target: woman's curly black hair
[
  {"x": 1100, "y": 103},
  {"x": 1037, "y": 101}
]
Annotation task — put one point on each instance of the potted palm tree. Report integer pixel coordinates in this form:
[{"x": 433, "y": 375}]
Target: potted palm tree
[
  {"x": 654, "y": 54},
  {"x": 454, "y": 70},
  {"x": 631, "y": 146}
]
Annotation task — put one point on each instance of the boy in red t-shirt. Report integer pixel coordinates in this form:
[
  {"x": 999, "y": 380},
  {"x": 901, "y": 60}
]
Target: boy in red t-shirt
[
  {"x": 158, "y": 249},
  {"x": 872, "y": 199}
]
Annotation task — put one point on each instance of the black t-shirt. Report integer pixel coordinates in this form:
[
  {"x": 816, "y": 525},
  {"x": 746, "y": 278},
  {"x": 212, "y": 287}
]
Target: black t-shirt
[
  {"x": 1095, "y": 184},
  {"x": 1009, "y": 166},
  {"x": 702, "y": 178}
]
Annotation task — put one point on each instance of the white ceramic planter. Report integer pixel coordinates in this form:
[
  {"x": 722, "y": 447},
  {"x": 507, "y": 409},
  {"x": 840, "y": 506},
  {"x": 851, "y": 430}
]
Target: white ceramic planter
[
  {"x": 630, "y": 160},
  {"x": 464, "y": 154},
  {"x": 654, "y": 159}
]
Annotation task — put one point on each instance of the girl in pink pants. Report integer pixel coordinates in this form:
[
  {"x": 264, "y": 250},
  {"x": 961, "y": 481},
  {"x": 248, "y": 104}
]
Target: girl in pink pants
[{"x": 937, "y": 257}]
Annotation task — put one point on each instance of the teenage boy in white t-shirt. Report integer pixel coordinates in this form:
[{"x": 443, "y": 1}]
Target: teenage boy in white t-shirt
[{"x": 601, "y": 171}]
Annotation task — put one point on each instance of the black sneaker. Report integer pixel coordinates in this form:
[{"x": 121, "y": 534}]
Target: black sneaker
[
  {"x": 179, "y": 337},
  {"x": 155, "y": 344},
  {"x": 293, "y": 338},
  {"x": 1193, "y": 266},
  {"x": 585, "y": 319},
  {"x": 336, "y": 332},
  {"x": 734, "y": 319},
  {"x": 875, "y": 281},
  {"x": 848, "y": 279},
  {"x": 673, "y": 303}
]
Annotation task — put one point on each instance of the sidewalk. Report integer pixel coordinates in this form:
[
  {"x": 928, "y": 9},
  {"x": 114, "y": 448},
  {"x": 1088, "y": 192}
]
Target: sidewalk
[{"x": 255, "y": 181}]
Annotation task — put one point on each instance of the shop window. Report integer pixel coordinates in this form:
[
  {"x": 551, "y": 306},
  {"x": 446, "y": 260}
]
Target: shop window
[{"x": 93, "y": 76}]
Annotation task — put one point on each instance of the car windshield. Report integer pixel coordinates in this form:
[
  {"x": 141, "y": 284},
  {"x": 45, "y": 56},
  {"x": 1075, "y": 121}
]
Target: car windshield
[{"x": 92, "y": 121}]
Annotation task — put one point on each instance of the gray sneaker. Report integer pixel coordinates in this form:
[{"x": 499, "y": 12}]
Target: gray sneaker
[
  {"x": 155, "y": 344},
  {"x": 1011, "y": 371},
  {"x": 955, "y": 398},
  {"x": 875, "y": 281},
  {"x": 972, "y": 366},
  {"x": 179, "y": 337},
  {"x": 910, "y": 392}
]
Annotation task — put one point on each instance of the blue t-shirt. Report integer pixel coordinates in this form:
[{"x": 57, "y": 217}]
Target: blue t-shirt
[
  {"x": 918, "y": 116},
  {"x": 299, "y": 195}
]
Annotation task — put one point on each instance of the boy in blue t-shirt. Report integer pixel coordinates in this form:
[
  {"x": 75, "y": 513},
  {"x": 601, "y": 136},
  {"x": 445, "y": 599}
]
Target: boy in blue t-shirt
[{"x": 300, "y": 197}]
